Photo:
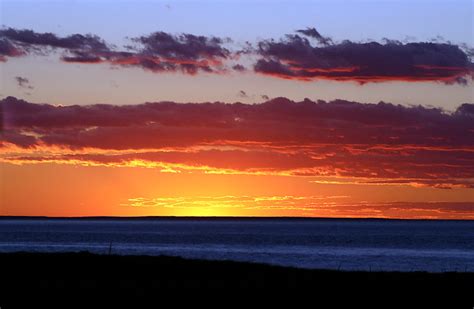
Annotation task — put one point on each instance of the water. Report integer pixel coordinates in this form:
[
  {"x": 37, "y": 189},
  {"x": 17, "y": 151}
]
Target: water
[{"x": 434, "y": 246}]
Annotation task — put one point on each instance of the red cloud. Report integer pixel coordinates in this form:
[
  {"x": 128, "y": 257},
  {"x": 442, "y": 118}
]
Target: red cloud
[{"x": 376, "y": 143}]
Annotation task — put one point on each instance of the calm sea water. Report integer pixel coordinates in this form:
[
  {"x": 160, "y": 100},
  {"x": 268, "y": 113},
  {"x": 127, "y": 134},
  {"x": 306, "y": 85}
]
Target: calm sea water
[{"x": 434, "y": 246}]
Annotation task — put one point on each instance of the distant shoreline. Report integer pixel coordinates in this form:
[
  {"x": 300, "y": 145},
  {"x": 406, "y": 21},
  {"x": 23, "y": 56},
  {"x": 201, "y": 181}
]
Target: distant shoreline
[{"x": 220, "y": 218}]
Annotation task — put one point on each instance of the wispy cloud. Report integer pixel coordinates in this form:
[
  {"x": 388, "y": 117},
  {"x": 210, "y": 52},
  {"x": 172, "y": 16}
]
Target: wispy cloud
[
  {"x": 242, "y": 94},
  {"x": 23, "y": 82},
  {"x": 313, "y": 33},
  {"x": 308, "y": 206}
]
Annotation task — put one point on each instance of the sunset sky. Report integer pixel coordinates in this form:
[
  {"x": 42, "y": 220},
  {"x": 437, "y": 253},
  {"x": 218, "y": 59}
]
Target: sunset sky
[{"x": 237, "y": 108}]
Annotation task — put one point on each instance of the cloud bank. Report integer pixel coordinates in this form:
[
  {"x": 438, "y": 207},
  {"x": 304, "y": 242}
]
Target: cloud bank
[
  {"x": 156, "y": 52},
  {"x": 304, "y": 56},
  {"x": 368, "y": 143},
  {"x": 295, "y": 57}
]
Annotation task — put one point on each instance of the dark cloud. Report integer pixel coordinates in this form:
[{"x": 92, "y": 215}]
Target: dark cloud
[
  {"x": 239, "y": 68},
  {"x": 74, "y": 42},
  {"x": 242, "y": 94},
  {"x": 23, "y": 82},
  {"x": 15, "y": 42},
  {"x": 7, "y": 49},
  {"x": 82, "y": 57},
  {"x": 156, "y": 52},
  {"x": 188, "y": 52},
  {"x": 76, "y": 48},
  {"x": 377, "y": 143},
  {"x": 265, "y": 97},
  {"x": 313, "y": 33},
  {"x": 294, "y": 57},
  {"x": 183, "y": 46}
]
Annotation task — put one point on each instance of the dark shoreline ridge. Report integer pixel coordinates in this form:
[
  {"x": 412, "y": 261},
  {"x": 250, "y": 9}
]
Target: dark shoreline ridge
[
  {"x": 43, "y": 273},
  {"x": 221, "y": 218}
]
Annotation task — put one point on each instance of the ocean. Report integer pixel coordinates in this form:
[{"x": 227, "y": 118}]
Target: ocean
[{"x": 344, "y": 244}]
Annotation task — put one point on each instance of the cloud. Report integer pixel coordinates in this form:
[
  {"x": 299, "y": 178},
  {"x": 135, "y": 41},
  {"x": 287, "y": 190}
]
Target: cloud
[
  {"x": 310, "y": 206},
  {"x": 245, "y": 95},
  {"x": 183, "y": 46},
  {"x": 239, "y": 68},
  {"x": 23, "y": 82},
  {"x": 30, "y": 38},
  {"x": 16, "y": 42},
  {"x": 313, "y": 33},
  {"x": 294, "y": 57},
  {"x": 161, "y": 51},
  {"x": 372, "y": 143},
  {"x": 82, "y": 57},
  {"x": 157, "y": 52},
  {"x": 242, "y": 94},
  {"x": 7, "y": 49}
]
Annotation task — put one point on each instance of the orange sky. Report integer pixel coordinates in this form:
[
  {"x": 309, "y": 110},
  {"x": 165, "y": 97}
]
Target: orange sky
[
  {"x": 72, "y": 190},
  {"x": 279, "y": 158},
  {"x": 276, "y": 118}
]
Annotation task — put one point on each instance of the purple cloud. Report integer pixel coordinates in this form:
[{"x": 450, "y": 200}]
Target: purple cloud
[
  {"x": 294, "y": 57},
  {"x": 23, "y": 82},
  {"x": 375, "y": 143},
  {"x": 313, "y": 33}
]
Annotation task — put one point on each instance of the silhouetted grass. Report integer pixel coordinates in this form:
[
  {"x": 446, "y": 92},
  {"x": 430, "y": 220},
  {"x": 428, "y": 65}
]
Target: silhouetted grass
[{"x": 67, "y": 273}]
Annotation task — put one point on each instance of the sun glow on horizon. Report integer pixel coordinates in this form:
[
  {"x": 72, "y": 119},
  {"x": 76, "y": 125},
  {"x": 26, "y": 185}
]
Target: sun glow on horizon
[{"x": 276, "y": 116}]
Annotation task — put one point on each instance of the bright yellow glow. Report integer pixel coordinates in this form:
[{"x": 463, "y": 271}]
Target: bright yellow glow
[{"x": 51, "y": 189}]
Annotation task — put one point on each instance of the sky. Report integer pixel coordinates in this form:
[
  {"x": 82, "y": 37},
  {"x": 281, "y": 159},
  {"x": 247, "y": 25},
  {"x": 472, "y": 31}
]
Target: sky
[{"x": 237, "y": 108}]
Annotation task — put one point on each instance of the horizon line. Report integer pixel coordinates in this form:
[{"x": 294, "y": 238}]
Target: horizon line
[{"x": 6, "y": 217}]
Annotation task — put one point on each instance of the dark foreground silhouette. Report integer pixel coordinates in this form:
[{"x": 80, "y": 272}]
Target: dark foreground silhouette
[{"x": 62, "y": 273}]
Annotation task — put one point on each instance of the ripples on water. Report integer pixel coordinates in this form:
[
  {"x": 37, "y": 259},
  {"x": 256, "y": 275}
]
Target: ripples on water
[{"x": 310, "y": 243}]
